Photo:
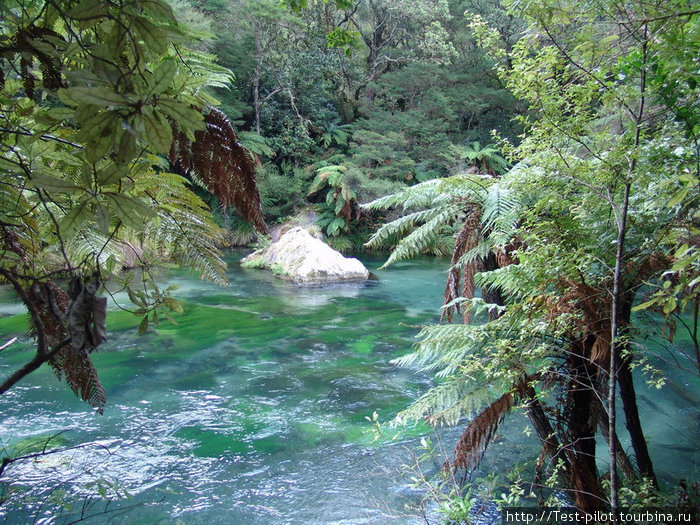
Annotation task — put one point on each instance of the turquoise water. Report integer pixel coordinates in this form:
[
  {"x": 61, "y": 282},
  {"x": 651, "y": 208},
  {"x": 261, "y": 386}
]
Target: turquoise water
[{"x": 252, "y": 410}]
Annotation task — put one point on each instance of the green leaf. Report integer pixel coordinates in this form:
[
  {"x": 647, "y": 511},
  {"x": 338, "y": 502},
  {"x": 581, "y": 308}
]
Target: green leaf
[
  {"x": 173, "y": 304},
  {"x": 159, "y": 8},
  {"x": 670, "y": 305},
  {"x": 131, "y": 211},
  {"x": 111, "y": 263},
  {"x": 162, "y": 77},
  {"x": 152, "y": 35},
  {"x": 102, "y": 218},
  {"x": 74, "y": 219},
  {"x": 336, "y": 226},
  {"x": 143, "y": 325},
  {"x": 99, "y": 96},
  {"x": 98, "y": 127},
  {"x": 678, "y": 197},
  {"x": 51, "y": 183},
  {"x": 60, "y": 113},
  {"x": 127, "y": 147},
  {"x": 645, "y": 305},
  {"x": 12, "y": 167},
  {"x": 112, "y": 174},
  {"x": 87, "y": 9},
  {"x": 184, "y": 115},
  {"x": 134, "y": 298},
  {"x": 158, "y": 131}
]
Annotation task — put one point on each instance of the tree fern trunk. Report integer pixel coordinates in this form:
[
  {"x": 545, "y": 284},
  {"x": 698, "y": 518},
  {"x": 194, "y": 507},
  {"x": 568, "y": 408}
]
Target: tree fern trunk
[
  {"x": 623, "y": 461},
  {"x": 545, "y": 432},
  {"x": 629, "y": 399},
  {"x": 488, "y": 294},
  {"x": 581, "y": 422},
  {"x": 634, "y": 426}
]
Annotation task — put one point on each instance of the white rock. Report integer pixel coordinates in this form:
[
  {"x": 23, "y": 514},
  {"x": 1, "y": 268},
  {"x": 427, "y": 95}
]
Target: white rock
[{"x": 301, "y": 258}]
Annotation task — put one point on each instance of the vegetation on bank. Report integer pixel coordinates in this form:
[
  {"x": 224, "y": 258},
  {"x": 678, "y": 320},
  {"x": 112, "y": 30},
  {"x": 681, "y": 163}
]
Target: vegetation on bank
[{"x": 550, "y": 149}]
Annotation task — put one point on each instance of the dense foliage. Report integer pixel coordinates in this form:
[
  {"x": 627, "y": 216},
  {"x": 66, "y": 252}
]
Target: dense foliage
[
  {"x": 606, "y": 186},
  {"x": 394, "y": 92},
  {"x": 92, "y": 93},
  {"x": 550, "y": 147}
]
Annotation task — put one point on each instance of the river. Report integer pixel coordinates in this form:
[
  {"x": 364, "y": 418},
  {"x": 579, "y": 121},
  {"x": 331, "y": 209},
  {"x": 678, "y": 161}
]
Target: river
[{"x": 254, "y": 409}]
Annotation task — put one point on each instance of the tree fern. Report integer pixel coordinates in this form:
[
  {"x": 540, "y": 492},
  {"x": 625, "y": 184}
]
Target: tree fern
[
  {"x": 341, "y": 200},
  {"x": 420, "y": 195},
  {"x": 255, "y": 143},
  {"x": 430, "y": 222},
  {"x": 447, "y": 403},
  {"x": 184, "y": 229},
  {"x": 90, "y": 243},
  {"x": 499, "y": 214},
  {"x": 482, "y": 210},
  {"x": 476, "y": 437},
  {"x": 445, "y": 348}
]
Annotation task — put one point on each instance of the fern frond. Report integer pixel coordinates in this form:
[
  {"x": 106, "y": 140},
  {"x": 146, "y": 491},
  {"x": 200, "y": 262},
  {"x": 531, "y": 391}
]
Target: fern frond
[
  {"x": 187, "y": 229},
  {"x": 476, "y": 437},
  {"x": 255, "y": 143},
  {"x": 512, "y": 280},
  {"x": 90, "y": 244},
  {"x": 402, "y": 225},
  {"x": 447, "y": 403},
  {"x": 80, "y": 373},
  {"x": 183, "y": 229},
  {"x": 423, "y": 236},
  {"x": 444, "y": 348},
  {"x": 225, "y": 167},
  {"x": 470, "y": 188},
  {"x": 480, "y": 251},
  {"x": 420, "y": 195},
  {"x": 500, "y": 214}
]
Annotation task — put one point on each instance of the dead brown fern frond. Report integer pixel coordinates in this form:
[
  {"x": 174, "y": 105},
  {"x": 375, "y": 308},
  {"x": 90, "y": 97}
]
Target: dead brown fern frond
[
  {"x": 476, "y": 437},
  {"x": 68, "y": 326},
  {"x": 467, "y": 239},
  {"x": 222, "y": 164},
  {"x": 39, "y": 42}
]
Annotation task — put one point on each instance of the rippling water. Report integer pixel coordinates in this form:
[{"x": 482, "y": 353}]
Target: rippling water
[{"x": 251, "y": 410}]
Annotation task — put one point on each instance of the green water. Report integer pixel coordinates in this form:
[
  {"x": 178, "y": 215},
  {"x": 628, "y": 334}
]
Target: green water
[{"x": 252, "y": 409}]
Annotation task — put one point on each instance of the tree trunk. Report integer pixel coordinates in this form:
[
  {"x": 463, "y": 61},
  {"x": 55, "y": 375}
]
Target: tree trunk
[
  {"x": 629, "y": 400},
  {"x": 581, "y": 423},
  {"x": 623, "y": 461},
  {"x": 622, "y": 320},
  {"x": 259, "y": 55},
  {"x": 544, "y": 430},
  {"x": 634, "y": 426},
  {"x": 488, "y": 294}
]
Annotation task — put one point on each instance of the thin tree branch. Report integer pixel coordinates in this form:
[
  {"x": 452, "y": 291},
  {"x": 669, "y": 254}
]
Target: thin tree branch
[
  {"x": 39, "y": 359},
  {"x": 43, "y": 137}
]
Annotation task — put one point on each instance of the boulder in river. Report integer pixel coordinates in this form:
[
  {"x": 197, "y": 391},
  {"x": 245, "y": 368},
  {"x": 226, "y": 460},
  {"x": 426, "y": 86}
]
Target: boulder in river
[{"x": 301, "y": 258}]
